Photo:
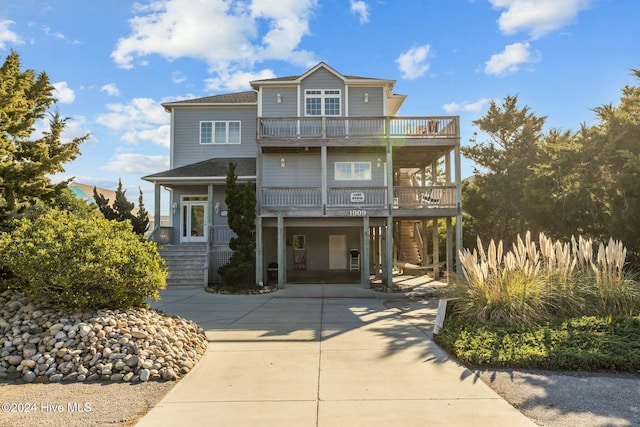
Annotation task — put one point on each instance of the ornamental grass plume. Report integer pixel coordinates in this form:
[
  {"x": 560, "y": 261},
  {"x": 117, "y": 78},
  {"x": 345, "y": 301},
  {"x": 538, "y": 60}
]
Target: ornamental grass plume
[{"x": 532, "y": 283}]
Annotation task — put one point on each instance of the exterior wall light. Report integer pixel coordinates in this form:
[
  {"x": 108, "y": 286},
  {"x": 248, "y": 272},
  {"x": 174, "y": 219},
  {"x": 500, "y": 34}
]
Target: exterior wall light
[
  {"x": 174, "y": 207},
  {"x": 379, "y": 162},
  {"x": 366, "y": 97},
  {"x": 216, "y": 208},
  {"x": 279, "y": 98},
  {"x": 282, "y": 162}
]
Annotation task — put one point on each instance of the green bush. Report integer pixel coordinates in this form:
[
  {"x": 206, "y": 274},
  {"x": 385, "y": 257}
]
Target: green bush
[
  {"x": 584, "y": 343},
  {"x": 82, "y": 262}
]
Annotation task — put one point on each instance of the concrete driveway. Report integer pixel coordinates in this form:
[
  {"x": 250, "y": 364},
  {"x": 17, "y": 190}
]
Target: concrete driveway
[{"x": 281, "y": 360}]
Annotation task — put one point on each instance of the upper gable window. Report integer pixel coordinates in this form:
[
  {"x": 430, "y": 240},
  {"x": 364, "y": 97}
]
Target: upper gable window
[
  {"x": 220, "y": 132},
  {"x": 322, "y": 102}
]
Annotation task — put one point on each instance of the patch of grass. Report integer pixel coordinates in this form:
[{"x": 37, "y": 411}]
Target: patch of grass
[{"x": 583, "y": 343}]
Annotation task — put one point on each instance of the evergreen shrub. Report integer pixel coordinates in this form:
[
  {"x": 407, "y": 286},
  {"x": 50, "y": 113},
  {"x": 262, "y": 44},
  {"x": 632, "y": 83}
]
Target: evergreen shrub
[{"x": 80, "y": 262}]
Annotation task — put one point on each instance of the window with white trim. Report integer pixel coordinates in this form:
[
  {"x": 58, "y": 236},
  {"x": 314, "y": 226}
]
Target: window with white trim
[
  {"x": 322, "y": 102},
  {"x": 356, "y": 171},
  {"x": 219, "y": 132}
]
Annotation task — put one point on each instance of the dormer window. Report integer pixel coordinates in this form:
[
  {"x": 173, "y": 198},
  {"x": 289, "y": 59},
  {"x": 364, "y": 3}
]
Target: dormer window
[{"x": 322, "y": 102}]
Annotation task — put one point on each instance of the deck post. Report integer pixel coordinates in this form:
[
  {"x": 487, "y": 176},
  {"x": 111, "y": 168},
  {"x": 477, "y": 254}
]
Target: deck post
[
  {"x": 449, "y": 248},
  {"x": 323, "y": 168},
  {"x": 458, "y": 172},
  {"x": 436, "y": 250},
  {"x": 366, "y": 251},
  {"x": 387, "y": 263},
  {"x": 259, "y": 252},
  {"x": 281, "y": 252}
]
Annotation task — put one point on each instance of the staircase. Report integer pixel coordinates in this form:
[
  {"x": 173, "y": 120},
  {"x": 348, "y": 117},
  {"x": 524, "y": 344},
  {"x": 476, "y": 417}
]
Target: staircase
[
  {"x": 409, "y": 250},
  {"x": 185, "y": 264}
]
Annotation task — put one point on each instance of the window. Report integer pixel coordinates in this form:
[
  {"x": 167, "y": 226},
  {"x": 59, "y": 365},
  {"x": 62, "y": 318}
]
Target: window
[
  {"x": 220, "y": 132},
  {"x": 322, "y": 102},
  {"x": 357, "y": 171}
]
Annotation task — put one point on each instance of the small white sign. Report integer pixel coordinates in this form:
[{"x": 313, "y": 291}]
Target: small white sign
[{"x": 357, "y": 197}]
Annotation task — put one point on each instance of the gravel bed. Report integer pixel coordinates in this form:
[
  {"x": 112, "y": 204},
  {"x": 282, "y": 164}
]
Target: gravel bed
[{"x": 88, "y": 368}]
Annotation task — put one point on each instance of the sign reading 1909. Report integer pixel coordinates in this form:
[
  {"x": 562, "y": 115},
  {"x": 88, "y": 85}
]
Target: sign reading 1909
[{"x": 357, "y": 212}]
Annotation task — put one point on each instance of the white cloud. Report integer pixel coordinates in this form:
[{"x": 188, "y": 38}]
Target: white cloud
[
  {"x": 360, "y": 8},
  {"x": 142, "y": 119},
  {"x": 63, "y": 93},
  {"x": 227, "y": 35},
  {"x": 413, "y": 63},
  {"x": 537, "y": 17},
  {"x": 178, "y": 77},
  {"x": 236, "y": 81},
  {"x": 139, "y": 164},
  {"x": 510, "y": 60},
  {"x": 6, "y": 35},
  {"x": 111, "y": 89},
  {"x": 466, "y": 106}
]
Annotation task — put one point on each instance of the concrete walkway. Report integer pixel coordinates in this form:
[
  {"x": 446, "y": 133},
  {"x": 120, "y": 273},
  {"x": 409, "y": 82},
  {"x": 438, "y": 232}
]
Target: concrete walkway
[{"x": 282, "y": 360}]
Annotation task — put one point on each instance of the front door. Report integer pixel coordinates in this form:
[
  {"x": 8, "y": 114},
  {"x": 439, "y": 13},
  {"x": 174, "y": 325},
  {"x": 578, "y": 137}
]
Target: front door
[
  {"x": 337, "y": 252},
  {"x": 194, "y": 222}
]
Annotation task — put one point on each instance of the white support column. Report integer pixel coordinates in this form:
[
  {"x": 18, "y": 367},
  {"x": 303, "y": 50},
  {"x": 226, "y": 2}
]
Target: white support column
[
  {"x": 282, "y": 247},
  {"x": 156, "y": 211},
  {"x": 366, "y": 251}
]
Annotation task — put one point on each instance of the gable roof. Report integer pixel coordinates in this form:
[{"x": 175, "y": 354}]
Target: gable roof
[
  {"x": 345, "y": 78},
  {"x": 206, "y": 171},
  {"x": 249, "y": 97}
]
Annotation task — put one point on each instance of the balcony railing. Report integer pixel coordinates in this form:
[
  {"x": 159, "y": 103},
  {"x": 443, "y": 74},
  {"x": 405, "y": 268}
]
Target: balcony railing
[
  {"x": 343, "y": 127},
  {"x": 441, "y": 196}
]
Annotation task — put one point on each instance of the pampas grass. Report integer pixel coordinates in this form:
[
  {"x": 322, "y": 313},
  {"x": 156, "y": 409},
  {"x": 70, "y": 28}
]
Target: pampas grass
[{"x": 533, "y": 283}]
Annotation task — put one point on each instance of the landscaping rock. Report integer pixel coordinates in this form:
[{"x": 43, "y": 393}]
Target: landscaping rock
[{"x": 43, "y": 344}]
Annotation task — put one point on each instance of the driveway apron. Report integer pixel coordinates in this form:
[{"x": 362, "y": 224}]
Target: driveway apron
[{"x": 275, "y": 361}]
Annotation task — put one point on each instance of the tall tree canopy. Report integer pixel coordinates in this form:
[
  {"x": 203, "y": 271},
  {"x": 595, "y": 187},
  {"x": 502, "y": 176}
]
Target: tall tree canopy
[
  {"x": 122, "y": 209},
  {"x": 493, "y": 200},
  {"x": 563, "y": 182},
  {"x": 25, "y": 160}
]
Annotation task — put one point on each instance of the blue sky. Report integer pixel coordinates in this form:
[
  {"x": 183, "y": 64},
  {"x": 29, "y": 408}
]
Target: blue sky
[{"x": 114, "y": 61}]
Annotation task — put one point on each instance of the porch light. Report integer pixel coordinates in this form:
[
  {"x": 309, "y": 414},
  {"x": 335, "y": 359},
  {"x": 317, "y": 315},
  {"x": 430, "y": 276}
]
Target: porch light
[
  {"x": 282, "y": 163},
  {"x": 366, "y": 97},
  {"x": 174, "y": 207},
  {"x": 216, "y": 208},
  {"x": 379, "y": 162},
  {"x": 279, "y": 98}
]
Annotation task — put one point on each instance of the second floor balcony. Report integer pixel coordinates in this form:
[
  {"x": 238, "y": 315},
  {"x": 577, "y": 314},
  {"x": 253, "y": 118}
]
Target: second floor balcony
[
  {"x": 439, "y": 200},
  {"x": 443, "y": 130}
]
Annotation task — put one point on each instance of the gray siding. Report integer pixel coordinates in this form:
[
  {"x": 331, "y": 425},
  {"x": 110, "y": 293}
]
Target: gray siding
[
  {"x": 377, "y": 173},
  {"x": 287, "y": 106},
  {"x": 186, "y": 134},
  {"x": 301, "y": 170},
  {"x": 321, "y": 79},
  {"x": 359, "y": 108}
]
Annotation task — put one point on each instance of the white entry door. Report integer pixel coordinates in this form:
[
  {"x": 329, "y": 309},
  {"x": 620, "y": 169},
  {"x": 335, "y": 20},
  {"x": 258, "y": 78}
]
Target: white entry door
[
  {"x": 337, "y": 252},
  {"x": 194, "y": 222}
]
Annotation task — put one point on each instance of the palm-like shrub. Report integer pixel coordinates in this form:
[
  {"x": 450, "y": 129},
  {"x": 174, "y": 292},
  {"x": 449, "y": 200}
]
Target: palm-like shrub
[
  {"x": 82, "y": 261},
  {"x": 533, "y": 283}
]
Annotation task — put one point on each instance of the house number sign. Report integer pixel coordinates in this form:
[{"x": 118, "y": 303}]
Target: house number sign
[{"x": 357, "y": 212}]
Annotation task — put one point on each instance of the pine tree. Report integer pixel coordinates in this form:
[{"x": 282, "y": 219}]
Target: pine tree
[{"x": 25, "y": 162}]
